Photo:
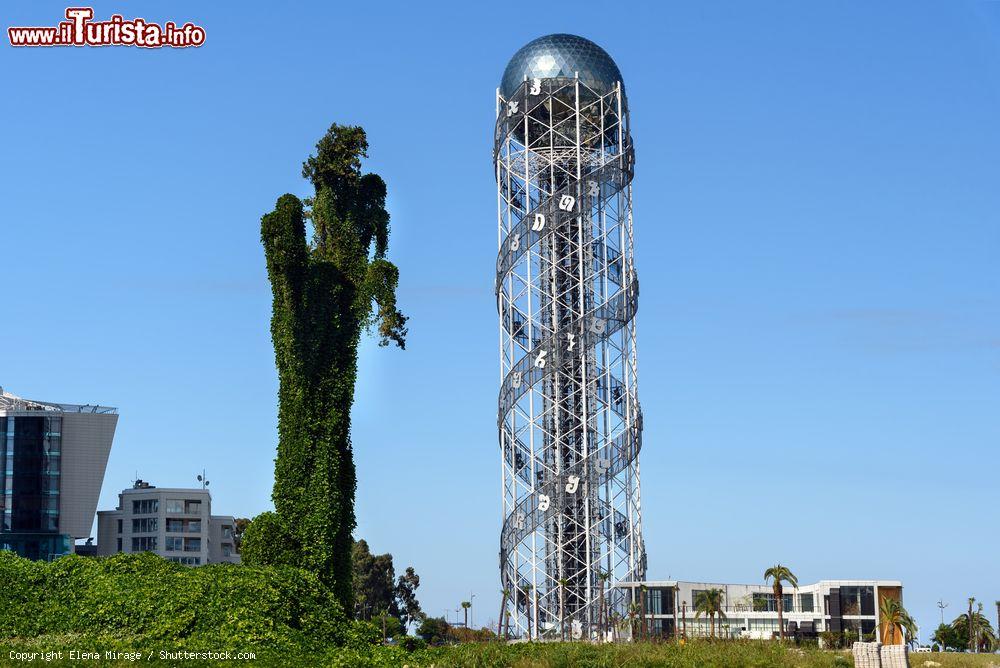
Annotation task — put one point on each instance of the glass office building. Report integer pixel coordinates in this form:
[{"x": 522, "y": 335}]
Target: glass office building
[
  {"x": 53, "y": 457},
  {"x": 30, "y": 450}
]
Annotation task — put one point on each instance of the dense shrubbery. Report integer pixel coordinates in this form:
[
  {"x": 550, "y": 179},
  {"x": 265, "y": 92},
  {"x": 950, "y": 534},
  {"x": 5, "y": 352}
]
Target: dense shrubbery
[
  {"x": 268, "y": 542},
  {"x": 146, "y": 597}
]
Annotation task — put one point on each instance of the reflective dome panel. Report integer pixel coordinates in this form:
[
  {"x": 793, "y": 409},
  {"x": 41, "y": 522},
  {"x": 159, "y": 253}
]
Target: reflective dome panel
[{"x": 561, "y": 55}]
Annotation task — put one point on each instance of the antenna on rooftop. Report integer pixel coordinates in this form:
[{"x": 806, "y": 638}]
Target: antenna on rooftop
[{"x": 203, "y": 480}]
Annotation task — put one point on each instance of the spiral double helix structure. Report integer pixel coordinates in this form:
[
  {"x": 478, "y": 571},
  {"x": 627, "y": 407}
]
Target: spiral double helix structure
[{"x": 569, "y": 421}]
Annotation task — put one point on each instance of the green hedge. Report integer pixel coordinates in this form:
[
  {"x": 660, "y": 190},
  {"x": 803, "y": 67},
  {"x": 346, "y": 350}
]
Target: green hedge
[{"x": 143, "y": 596}]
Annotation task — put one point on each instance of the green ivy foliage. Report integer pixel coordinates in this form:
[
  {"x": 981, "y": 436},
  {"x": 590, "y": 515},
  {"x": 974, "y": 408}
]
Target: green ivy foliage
[
  {"x": 146, "y": 596},
  {"x": 267, "y": 541},
  {"x": 326, "y": 292}
]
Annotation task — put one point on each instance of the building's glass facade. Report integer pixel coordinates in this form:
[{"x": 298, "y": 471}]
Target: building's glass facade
[
  {"x": 857, "y": 601},
  {"x": 30, "y": 451}
]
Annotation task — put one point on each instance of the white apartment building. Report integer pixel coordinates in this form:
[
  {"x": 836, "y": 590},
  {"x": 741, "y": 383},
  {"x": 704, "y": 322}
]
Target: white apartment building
[{"x": 175, "y": 523}]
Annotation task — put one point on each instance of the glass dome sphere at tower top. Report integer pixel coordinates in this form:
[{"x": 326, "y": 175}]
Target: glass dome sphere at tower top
[{"x": 561, "y": 55}]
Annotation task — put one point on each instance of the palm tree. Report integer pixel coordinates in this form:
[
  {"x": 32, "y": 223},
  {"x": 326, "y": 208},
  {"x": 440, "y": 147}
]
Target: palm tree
[
  {"x": 970, "y": 627},
  {"x": 910, "y": 627},
  {"x": 602, "y": 577},
  {"x": 633, "y": 613},
  {"x": 978, "y": 629},
  {"x": 466, "y": 605},
  {"x": 780, "y": 574},
  {"x": 998, "y": 618},
  {"x": 677, "y": 593},
  {"x": 562, "y": 608},
  {"x": 615, "y": 621},
  {"x": 709, "y": 602},
  {"x": 644, "y": 633},
  {"x": 503, "y": 608},
  {"x": 895, "y": 619}
]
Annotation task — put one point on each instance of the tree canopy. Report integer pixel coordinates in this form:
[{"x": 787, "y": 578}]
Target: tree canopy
[{"x": 377, "y": 590}]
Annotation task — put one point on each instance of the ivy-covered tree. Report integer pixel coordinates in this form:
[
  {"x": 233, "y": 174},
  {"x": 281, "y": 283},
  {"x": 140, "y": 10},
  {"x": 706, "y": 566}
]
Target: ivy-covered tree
[{"x": 327, "y": 291}]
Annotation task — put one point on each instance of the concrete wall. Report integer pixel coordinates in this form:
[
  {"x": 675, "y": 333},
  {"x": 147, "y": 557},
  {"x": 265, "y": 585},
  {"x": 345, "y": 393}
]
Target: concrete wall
[
  {"x": 86, "y": 444},
  {"x": 217, "y": 540}
]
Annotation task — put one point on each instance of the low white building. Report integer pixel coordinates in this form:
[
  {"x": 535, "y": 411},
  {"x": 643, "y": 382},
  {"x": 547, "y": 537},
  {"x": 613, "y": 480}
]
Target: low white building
[
  {"x": 751, "y": 611},
  {"x": 175, "y": 523}
]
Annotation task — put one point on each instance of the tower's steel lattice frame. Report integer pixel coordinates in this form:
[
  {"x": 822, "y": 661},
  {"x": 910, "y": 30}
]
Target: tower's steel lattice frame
[{"x": 569, "y": 419}]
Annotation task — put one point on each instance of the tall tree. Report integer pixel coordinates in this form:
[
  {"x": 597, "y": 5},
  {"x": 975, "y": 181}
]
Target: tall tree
[
  {"x": 326, "y": 291},
  {"x": 503, "y": 609},
  {"x": 374, "y": 582},
  {"x": 377, "y": 590},
  {"x": 976, "y": 631},
  {"x": 465, "y": 606},
  {"x": 709, "y": 602},
  {"x": 406, "y": 597},
  {"x": 644, "y": 632},
  {"x": 779, "y": 574}
]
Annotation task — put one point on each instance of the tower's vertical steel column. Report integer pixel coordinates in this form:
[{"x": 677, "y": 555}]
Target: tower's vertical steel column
[{"x": 569, "y": 420}]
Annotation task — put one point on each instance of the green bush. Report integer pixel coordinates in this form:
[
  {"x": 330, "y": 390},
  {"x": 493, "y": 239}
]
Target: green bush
[
  {"x": 147, "y": 597},
  {"x": 267, "y": 541}
]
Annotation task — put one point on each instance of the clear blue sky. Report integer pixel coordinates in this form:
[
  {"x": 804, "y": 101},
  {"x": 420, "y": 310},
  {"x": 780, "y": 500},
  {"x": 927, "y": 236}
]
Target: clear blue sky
[{"x": 817, "y": 223}]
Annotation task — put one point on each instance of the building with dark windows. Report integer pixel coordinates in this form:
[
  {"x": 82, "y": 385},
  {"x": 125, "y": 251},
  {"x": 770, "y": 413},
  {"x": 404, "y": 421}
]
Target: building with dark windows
[
  {"x": 176, "y": 524},
  {"x": 751, "y": 611},
  {"x": 54, "y": 457}
]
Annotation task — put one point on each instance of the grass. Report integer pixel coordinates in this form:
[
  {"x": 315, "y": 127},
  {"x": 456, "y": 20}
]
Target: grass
[
  {"x": 740, "y": 654},
  {"x": 737, "y": 654}
]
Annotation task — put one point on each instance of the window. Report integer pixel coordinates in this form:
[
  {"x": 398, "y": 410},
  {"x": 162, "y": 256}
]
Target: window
[
  {"x": 227, "y": 550},
  {"x": 145, "y": 525},
  {"x": 192, "y": 507},
  {"x": 145, "y": 507},
  {"x": 805, "y": 603},
  {"x": 144, "y": 544},
  {"x": 175, "y": 544},
  {"x": 119, "y": 526},
  {"x": 119, "y": 544},
  {"x": 192, "y": 544},
  {"x": 654, "y": 602},
  {"x": 175, "y": 506},
  {"x": 765, "y": 602},
  {"x": 177, "y": 525},
  {"x": 187, "y": 561},
  {"x": 857, "y": 601},
  {"x": 694, "y": 597},
  {"x": 762, "y": 626},
  {"x": 227, "y": 531}
]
